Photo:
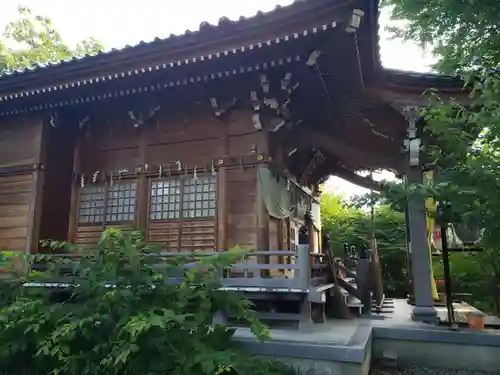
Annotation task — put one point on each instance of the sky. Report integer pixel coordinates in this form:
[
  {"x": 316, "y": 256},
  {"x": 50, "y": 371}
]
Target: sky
[{"x": 120, "y": 22}]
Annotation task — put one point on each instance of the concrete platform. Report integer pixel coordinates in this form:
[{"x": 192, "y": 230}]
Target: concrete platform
[
  {"x": 335, "y": 347},
  {"x": 396, "y": 336},
  {"x": 348, "y": 346}
]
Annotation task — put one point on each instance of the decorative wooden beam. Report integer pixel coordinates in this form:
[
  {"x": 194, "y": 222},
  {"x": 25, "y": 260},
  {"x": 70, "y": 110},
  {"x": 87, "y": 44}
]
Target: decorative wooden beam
[
  {"x": 354, "y": 178},
  {"x": 223, "y": 109},
  {"x": 140, "y": 118},
  {"x": 138, "y": 90},
  {"x": 20, "y": 169},
  {"x": 271, "y": 104},
  {"x": 310, "y": 138},
  {"x": 318, "y": 158},
  {"x": 173, "y": 168},
  {"x": 412, "y": 95}
]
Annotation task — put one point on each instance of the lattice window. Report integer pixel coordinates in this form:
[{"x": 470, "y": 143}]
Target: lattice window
[
  {"x": 115, "y": 203},
  {"x": 120, "y": 203},
  {"x": 165, "y": 200},
  {"x": 91, "y": 207},
  {"x": 199, "y": 197},
  {"x": 185, "y": 198}
]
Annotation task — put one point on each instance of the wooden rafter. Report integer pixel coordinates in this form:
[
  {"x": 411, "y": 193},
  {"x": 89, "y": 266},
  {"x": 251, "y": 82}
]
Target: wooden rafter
[
  {"x": 316, "y": 159},
  {"x": 354, "y": 178},
  {"x": 342, "y": 150}
]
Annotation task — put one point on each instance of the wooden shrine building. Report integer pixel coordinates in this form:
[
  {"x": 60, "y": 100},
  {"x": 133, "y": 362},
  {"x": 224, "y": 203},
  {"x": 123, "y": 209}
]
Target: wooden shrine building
[{"x": 210, "y": 139}]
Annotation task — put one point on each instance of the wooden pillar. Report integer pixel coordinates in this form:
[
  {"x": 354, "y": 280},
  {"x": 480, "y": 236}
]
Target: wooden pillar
[
  {"x": 222, "y": 193},
  {"x": 277, "y": 146},
  {"x": 73, "y": 211},
  {"x": 263, "y": 222},
  {"x": 35, "y": 213},
  {"x": 311, "y": 233},
  {"x": 83, "y": 154},
  {"x": 281, "y": 235},
  {"x": 142, "y": 199},
  {"x": 222, "y": 214},
  {"x": 262, "y": 214}
]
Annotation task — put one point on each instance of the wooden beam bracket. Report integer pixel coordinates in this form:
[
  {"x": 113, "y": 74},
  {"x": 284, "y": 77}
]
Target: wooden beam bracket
[
  {"x": 172, "y": 168},
  {"x": 21, "y": 169}
]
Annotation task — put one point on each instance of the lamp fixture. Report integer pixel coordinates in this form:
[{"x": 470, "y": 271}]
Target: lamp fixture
[{"x": 355, "y": 21}]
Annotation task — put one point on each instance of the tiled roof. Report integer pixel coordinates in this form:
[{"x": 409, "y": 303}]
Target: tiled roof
[
  {"x": 223, "y": 23},
  {"x": 299, "y": 20},
  {"x": 397, "y": 76}
]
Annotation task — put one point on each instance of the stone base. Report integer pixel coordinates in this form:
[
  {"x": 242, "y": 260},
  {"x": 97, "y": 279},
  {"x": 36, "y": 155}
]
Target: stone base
[
  {"x": 438, "y": 347},
  {"x": 333, "y": 348},
  {"x": 426, "y": 314}
]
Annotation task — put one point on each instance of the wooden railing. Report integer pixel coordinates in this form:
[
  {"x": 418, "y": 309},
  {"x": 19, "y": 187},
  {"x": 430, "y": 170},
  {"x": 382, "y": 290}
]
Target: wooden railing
[
  {"x": 302, "y": 274},
  {"x": 306, "y": 278}
]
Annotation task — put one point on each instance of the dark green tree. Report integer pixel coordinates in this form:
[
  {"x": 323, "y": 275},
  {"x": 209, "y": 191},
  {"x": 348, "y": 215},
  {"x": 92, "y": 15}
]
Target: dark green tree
[
  {"x": 32, "y": 38},
  {"x": 462, "y": 34},
  {"x": 124, "y": 315}
]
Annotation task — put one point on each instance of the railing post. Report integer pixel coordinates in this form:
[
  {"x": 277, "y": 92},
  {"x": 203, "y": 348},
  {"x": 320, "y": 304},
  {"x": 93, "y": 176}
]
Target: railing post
[
  {"x": 303, "y": 267},
  {"x": 363, "y": 273}
]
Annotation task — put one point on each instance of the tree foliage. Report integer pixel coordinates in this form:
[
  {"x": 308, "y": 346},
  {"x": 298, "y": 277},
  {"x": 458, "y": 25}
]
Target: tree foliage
[
  {"x": 463, "y": 35},
  {"x": 465, "y": 39},
  {"x": 347, "y": 224},
  {"x": 32, "y": 39},
  {"x": 466, "y": 139},
  {"x": 126, "y": 315}
]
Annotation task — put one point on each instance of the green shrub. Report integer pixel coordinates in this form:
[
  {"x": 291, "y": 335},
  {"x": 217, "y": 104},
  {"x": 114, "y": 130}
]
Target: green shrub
[
  {"x": 142, "y": 324},
  {"x": 345, "y": 223}
]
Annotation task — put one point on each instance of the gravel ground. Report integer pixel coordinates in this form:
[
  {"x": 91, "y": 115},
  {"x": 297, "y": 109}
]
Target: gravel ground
[
  {"x": 421, "y": 370},
  {"x": 381, "y": 369}
]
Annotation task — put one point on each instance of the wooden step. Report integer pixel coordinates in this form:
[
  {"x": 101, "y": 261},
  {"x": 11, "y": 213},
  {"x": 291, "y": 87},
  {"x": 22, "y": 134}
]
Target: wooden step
[
  {"x": 350, "y": 280},
  {"x": 355, "y": 304},
  {"x": 290, "y": 317}
]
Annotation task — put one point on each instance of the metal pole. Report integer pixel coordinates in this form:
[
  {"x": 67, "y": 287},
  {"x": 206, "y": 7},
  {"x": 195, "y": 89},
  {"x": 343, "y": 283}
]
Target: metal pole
[
  {"x": 447, "y": 277},
  {"x": 372, "y": 209}
]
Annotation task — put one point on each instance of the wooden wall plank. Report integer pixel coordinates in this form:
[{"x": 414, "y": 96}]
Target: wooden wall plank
[
  {"x": 13, "y": 232},
  {"x": 91, "y": 234},
  {"x": 16, "y": 187},
  {"x": 13, "y": 221},
  {"x": 15, "y": 211},
  {"x": 24, "y": 198},
  {"x": 194, "y": 138},
  {"x": 183, "y": 235},
  {"x": 188, "y": 153},
  {"x": 13, "y": 244},
  {"x": 241, "y": 207},
  {"x": 20, "y": 140}
]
